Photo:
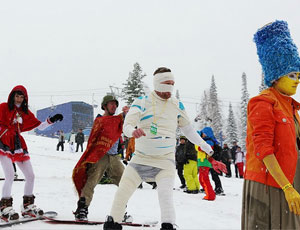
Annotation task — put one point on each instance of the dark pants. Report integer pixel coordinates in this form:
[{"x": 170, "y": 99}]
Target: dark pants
[
  {"x": 180, "y": 173},
  {"x": 236, "y": 170},
  {"x": 60, "y": 144},
  {"x": 216, "y": 179},
  {"x": 77, "y": 147},
  {"x": 228, "y": 169}
]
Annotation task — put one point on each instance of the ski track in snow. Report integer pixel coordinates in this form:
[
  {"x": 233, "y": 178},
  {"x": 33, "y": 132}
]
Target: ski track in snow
[{"x": 54, "y": 191}]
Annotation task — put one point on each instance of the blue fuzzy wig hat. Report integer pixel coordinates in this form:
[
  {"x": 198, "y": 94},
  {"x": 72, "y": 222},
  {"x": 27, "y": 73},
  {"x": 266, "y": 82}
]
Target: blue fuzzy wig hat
[{"x": 277, "y": 53}]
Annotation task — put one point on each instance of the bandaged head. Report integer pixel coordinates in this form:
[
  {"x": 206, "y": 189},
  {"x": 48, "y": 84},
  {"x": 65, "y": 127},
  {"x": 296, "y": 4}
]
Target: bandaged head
[{"x": 162, "y": 77}]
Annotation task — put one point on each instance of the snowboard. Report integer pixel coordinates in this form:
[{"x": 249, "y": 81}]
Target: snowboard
[
  {"x": 22, "y": 220},
  {"x": 16, "y": 179},
  {"x": 88, "y": 222}
]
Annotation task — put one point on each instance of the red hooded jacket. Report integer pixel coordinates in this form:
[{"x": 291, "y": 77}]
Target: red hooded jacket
[{"x": 10, "y": 128}]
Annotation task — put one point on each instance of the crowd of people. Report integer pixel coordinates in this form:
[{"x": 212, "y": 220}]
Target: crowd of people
[
  {"x": 192, "y": 162},
  {"x": 73, "y": 139},
  {"x": 271, "y": 189}
]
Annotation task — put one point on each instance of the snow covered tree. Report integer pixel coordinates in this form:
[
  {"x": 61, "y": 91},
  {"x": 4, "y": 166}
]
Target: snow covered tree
[
  {"x": 262, "y": 83},
  {"x": 202, "y": 118},
  {"x": 244, "y": 103},
  {"x": 134, "y": 87},
  {"x": 231, "y": 129},
  {"x": 214, "y": 112}
]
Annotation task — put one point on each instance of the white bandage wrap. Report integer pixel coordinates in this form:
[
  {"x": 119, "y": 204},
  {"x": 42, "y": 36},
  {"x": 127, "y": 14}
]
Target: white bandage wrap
[
  {"x": 161, "y": 77},
  {"x": 44, "y": 125},
  {"x": 194, "y": 137}
]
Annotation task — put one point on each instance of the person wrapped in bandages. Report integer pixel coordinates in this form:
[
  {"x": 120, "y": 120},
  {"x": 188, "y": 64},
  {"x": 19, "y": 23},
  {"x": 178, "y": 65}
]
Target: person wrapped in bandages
[{"x": 153, "y": 121}]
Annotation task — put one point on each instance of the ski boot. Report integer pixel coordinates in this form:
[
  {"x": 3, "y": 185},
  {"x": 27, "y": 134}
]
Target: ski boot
[
  {"x": 82, "y": 210},
  {"x": 6, "y": 210},
  {"x": 29, "y": 208},
  {"x": 182, "y": 186},
  {"x": 219, "y": 191},
  {"x": 154, "y": 185},
  {"x": 201, "y": 190},
  {"x": 141, "y": 185},
  {"x": 109, "y": 224},
  {"x": 167, "y": 226}
]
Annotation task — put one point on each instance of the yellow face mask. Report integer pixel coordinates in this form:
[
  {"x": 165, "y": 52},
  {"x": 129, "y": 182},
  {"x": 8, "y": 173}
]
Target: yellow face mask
[{"x": 288, "y": 84}]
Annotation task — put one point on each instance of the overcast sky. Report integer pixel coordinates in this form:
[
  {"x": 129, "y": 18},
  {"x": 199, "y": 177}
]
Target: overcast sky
[{"x": 69, "y": 50}]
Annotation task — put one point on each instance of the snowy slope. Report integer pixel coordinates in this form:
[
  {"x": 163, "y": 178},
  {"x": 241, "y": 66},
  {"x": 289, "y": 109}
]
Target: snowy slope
[{"x": 54, "y": 191}]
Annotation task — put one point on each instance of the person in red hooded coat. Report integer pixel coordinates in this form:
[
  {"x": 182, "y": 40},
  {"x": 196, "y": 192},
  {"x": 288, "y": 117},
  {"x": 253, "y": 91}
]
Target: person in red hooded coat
[{"x": 15, "y": 118}]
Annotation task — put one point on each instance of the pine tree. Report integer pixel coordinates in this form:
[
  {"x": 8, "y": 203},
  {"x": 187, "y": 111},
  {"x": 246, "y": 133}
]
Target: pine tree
[
  {"x": 262, "y": 83},
  {"x": 231, "y": 129},
  {"x": 134, "y": 87},
  {"x": 202, "y": 118},
  {"x": 214, "y": 112},
  {"x": 244, "y": 103}
]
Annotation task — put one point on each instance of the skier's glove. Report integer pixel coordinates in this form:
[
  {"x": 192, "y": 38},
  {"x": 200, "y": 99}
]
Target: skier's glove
[
  {"x": 217, "y": 165},
  {"x": 293, "y": 199},
  {"x": 56, "y": 117}
]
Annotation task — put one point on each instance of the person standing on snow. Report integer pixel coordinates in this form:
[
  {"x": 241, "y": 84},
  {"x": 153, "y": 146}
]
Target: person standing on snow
[
  {"x": 72, "y": 142},
  {"x": 208, "y": 135},
  {"x": 180, "y": 159},
  {"x": 190, "y": 169},
  {"x": 239, "y": 161},
  {"x": 205, "y": 166},
  {"x": 233, "y": 152},
  {"x": 271, "y": 197},
  {"x": 156, "y": 117},
  {"x": 79, "y": 139},
  {"x": 226, "y": 159},
  {"x": 61, "y": 141},
  {"x": 100, "y": 155},
  {"x": 15, "y": 118}
]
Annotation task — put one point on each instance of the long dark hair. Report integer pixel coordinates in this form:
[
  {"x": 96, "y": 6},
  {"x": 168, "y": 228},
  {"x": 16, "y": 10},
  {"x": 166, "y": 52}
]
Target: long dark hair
[{"x": 11, "y": 101}]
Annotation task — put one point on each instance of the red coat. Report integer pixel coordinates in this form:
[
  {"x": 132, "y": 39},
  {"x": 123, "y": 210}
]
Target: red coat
[
  {"x": 271, "y": 130},
  {"x": 10, "y": 129},
  {"x": 105, "y": 132}
]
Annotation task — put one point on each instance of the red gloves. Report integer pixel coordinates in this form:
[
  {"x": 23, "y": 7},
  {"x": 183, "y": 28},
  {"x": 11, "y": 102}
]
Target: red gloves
[{"x": 217, "y": 165}]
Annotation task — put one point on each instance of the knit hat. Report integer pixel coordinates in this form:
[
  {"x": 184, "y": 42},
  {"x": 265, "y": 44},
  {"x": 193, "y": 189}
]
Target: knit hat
[{"x": 277, "y": 53}]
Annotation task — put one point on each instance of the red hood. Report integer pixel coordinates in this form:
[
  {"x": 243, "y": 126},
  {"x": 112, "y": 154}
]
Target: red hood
[{"x": 19, "y": 88}]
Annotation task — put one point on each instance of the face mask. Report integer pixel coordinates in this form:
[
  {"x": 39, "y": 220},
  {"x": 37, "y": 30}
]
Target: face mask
[
  {"x": 161, "y": 77},
  {"x": 288, "y": 84},
  {"x": 18, "y": 105}
]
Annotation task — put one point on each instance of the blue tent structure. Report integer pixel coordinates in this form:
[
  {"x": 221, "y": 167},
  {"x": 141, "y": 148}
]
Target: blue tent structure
[{"x": 77, "y": 115}]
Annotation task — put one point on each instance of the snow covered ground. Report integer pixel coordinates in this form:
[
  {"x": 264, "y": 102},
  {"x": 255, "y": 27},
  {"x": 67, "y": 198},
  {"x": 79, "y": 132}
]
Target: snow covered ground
[{"x": 54, "y": 190}]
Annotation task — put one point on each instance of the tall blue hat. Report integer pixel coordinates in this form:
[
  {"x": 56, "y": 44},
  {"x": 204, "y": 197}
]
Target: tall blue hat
[{"x": 277, "y": 53}]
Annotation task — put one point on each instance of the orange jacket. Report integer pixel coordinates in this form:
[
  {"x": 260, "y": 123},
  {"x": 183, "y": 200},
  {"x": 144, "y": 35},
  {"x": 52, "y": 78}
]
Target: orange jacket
[
  {"x": 130, "y": 148},
  {"x": 271, "y": 130}
]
